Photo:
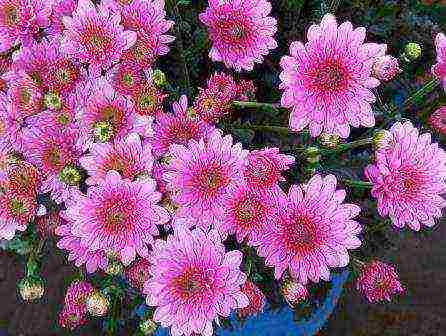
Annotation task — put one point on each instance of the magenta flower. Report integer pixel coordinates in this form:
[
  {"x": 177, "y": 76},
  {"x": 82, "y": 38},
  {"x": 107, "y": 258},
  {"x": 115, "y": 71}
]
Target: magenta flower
[
  {"x": 437, "y": 120},
  {"x": 126, "y": 78},
  {"x": 78, "y": 252},
  {"x": 148, "y": 19},
  {"x": 14, "y": 130},
  {"x": 61, "y": 8},
  {"x": 439, "y": 69},
  {"x": 201, "y": 176},
  {"x": 294, "y": 292},
  {"x": 177, "y": 128},
  {"x": 241, "y": 32},
  {"x": 20, "y": 21},
  {"x": 48, "y": 67},
  {"x": 56, "y": 154},
  {"x": 77, "y": 294},
  {"x": 108, "y": 115},
  {"x": 223, "y": 86},
  {"x": 327, "y": 82},
  {"x": 386, "y": 68},
  {"x": 118, "y": 216},
  {"x": 16, "y": 211},
  {"x": 256, "y": 299},
  {"x": 25, "y": 97},
  {"x": 314, "y": 232},
  {"x": 249, "y": 211},
  {"x": 378, "y": 281},
  {"x": 138, "y": 273},
  {"x": 71, "y": 317},
  {"x": 95, "y": 36},
  {"x": 409, "y": 177},
  {"x": 265, "y": 166},
  {"x": 190, "y": 292},
  {"x": 129, "y": 157}
]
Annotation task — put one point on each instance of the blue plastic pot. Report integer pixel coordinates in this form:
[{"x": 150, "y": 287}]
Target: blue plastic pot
[{"x": 281, "y": 324}]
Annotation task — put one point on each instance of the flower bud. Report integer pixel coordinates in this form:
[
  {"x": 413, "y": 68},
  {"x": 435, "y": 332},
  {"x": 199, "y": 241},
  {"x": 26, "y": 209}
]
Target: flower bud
[
  {"x": 412, "y": 51},
  {"x": 97, "y": 304},
  {"x": 313, "y": 154},
  {"x": 381, "y": 139},
  {"x": 148, "y": 327},
  {"x": 52, "y": 101},
  {"x": 31, "y": 288},
  {"x": 70, "y": 175},
  {"x": 329, "y": 140},
  {"x": 386, "y": 68},
  {"x": 159, "y": 78},
  {"x": 294, "y": 292},
  {"x": 103, "y": 131},
  {"x": 114, "y": 268}
]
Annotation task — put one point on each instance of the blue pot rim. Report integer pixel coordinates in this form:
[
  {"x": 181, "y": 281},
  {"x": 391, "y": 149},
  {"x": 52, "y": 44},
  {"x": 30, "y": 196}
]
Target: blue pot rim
[{"x": 282, "y": 324}]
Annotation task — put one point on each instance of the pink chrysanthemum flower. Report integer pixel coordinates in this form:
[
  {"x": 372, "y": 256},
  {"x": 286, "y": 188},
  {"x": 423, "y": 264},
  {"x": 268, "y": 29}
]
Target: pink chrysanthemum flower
[
  {"x": 256, "y": 300},
  {"x": 25, "y": 96},
  {"x": 61, "y": 8},
  {"x": 77, "y": 293},
  {"x": 71, "y": 317},
  {"x": 20, "y": 21},
  {"x": 148, "y": 19},
  {"x": 14, "y": 129},
  {"x": 409, "y": 177},
  {"x": 23, "y": 178},
  {"x": 190, "y": 292},
  {"x": 265, "y": 166},
  {"x": 201, "y": 176},
  {"x": 209, "y": 108},
  {"x": 118, "y": 216},
  {"x": 5, "y": 66},
  {"x": 16, "y": 211},
  {"x": 439, "y": 69},
  {"x": 314, "y": 232},
  {"x": 148, "y": 100},
  {"x": 438, "y": 120},
  {"x": 77, "y": 250},
  {"x": 62, "y": 119},
  {"x": 249, "y": 211},
  {"x": 95, "y": 36},
  {"x": 129, "y": 157},
  {"x": 223, "y": 86},
  {"x": 126, "y": 78},
  {"x": 177, "y": 128},
  {"x": 241, "y": 32},
  {"x": 5, "y": 152},
  {"x": 246, "y": 90},
  {"x": 56, "y": 154},
  {"x": 378, "y": 282},
  {"x": 386, "y": 68},
  {"x": 137, "y": 273},
  {"x": 294, "y": 292},
  {"x": 48, "y": 67},
  {"x": 327, "y": 82},
  {"x": 157, "y": 174},
  {"x": 108, "y": 115}
]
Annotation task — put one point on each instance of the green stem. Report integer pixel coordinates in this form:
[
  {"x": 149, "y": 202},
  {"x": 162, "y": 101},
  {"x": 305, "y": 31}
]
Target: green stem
[
  {"x": 426, "y": 89},
  {"x": 351, "y": 145},
  {"x": 417, "y": 95},
  {"x": 264, "y": 128},
  {"x": 357, "y": 184},
  {"x": 242, "y": 104}
]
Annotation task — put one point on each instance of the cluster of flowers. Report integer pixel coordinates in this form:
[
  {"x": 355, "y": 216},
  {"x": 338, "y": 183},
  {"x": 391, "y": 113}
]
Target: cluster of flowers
[{"x": 82, "y": 118}]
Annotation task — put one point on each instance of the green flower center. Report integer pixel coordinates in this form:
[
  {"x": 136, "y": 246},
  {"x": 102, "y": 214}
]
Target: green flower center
[{"x": 70, "y": 175}]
